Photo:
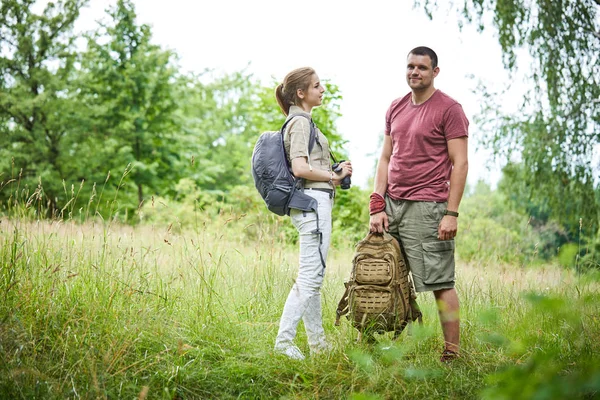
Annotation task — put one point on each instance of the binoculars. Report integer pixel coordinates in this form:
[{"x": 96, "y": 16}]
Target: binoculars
[{"x": 346, "y": 182}]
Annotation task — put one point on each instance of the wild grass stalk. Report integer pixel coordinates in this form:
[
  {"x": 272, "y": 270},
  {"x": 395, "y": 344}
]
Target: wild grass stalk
[
  {"x": 578, "y": 256},
  {"x": 112, "y": 311}
]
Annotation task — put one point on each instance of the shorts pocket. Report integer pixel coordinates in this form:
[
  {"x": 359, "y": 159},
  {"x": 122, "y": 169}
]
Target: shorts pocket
[{"x": 438, "y": 260}]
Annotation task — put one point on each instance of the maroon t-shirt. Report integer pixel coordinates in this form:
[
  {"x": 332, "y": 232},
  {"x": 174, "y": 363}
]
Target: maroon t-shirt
[{"x": 420, "y": 166}]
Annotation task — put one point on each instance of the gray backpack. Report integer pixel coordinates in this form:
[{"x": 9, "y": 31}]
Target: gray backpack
[{"x": 273, "y": 176}]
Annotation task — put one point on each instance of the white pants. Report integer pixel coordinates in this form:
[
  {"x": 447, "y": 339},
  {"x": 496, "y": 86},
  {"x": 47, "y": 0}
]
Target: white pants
[{"x": 304, "y": 300}]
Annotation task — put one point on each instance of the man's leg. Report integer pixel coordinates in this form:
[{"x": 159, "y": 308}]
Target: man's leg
[
  {"x": 431, "y": 261},
  {"x": 448, "y": 308}
]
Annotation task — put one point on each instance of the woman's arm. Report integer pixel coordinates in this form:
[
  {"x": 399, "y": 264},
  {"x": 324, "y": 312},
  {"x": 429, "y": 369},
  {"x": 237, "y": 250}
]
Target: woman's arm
[{"x": 301, "y": 169}]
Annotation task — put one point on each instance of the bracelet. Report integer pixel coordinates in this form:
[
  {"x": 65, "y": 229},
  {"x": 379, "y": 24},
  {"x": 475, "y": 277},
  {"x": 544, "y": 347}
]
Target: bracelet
[
  {"x": 376, "y": 203},
  {"x": 451, "y": 213},
  {"x": 331, "y": 178}
]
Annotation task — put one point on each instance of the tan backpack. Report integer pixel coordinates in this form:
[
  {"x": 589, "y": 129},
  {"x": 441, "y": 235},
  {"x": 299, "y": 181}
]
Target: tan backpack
[{"x": 379, "y": 296}]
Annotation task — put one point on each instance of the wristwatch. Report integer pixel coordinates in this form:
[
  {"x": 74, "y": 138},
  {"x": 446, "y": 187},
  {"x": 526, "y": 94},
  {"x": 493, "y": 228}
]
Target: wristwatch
[{"x": 452, "y": 213}]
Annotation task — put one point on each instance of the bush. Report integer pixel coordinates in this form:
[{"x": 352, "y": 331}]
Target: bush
[
  {"x": 590, "y": 253},
  {"x": 489, "y": 231},
  {"x": 243, "y": 209},
  {"x": 350, "y": 216}
]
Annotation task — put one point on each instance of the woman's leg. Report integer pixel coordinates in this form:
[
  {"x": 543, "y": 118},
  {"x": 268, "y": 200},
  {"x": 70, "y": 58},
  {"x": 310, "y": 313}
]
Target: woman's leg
[
  {"x": 293, "y": 310},
  {"x": 304, "y": 299},
  {"x": 312, "y": 318}
]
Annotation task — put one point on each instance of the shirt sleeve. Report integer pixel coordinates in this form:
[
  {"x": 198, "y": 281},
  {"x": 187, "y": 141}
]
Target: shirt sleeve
[
  {"x": 299, "y": 131},
  {"x": 388, "y": 122},
  {"x": 456, "y": 123}
]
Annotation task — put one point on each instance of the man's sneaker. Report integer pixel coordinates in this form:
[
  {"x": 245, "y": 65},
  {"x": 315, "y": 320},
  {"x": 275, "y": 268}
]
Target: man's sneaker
[
  {"x": 448, "y": 356},
  {"x": 291, "y": 351}
]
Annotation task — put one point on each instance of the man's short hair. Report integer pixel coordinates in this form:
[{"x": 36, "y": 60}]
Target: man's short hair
[{"x": 425, "y": 51}]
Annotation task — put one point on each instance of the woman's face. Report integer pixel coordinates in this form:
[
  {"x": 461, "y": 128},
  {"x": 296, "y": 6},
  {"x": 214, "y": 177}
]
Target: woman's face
[{"x": 313, "y": 96}]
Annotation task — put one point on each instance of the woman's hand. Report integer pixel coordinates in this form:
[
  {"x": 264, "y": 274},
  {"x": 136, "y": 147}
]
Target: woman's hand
[{"x": 346, "y": 170}]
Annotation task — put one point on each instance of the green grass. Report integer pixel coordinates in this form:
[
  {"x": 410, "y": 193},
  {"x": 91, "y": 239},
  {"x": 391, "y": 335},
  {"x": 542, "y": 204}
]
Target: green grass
[{"x": 99, "y": 310}]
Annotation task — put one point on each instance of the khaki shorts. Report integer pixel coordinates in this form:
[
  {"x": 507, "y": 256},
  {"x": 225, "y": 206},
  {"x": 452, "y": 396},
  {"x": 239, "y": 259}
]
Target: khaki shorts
[{"x": 415, "y": 225}]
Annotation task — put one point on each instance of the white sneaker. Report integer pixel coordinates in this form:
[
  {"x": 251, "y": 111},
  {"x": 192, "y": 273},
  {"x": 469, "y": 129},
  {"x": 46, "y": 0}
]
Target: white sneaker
[{"x": 291, "y": 351}]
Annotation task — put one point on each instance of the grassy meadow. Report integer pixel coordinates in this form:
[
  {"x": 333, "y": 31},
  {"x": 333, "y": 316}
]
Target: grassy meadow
[{"x": 99, "y": 310}]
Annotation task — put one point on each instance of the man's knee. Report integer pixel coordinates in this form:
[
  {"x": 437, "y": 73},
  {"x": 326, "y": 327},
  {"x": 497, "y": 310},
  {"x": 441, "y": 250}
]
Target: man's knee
[{"x": 444, "y": 292}]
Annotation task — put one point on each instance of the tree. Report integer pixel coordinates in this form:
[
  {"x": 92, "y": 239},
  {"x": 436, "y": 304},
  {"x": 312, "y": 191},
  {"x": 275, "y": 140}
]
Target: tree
[
  {"x": 559, "y": 125},
  {"x": 36, "y": 101},
  {"x": 220, "y": 117},
  {"x": 121, "y": 108},
  {"x": 129, "y": 86}
]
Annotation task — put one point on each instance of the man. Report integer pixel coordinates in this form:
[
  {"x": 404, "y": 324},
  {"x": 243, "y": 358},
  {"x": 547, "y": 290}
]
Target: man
[{"x": 419, "y": 183}]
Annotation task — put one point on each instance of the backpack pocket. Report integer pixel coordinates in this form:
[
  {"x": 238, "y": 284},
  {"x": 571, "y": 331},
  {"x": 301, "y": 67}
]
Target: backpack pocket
[
  {"x": 371, "y": 300},
  {"x": 277, "y": 198},
  {"x": 372, "y": 270},
  {"x": 373, "y": 307},
  {"x": 438, "y": 260}
]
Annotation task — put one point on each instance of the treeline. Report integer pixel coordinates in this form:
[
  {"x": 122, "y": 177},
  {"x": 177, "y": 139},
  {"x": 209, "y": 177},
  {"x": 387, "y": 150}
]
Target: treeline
[
  {"x": 105, "y": 125},
  {"x": 81, "y": 123}
]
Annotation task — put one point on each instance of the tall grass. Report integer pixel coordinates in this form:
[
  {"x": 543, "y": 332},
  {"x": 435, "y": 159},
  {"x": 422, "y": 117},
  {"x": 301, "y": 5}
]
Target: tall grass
[{"x": 102, "y": 310}]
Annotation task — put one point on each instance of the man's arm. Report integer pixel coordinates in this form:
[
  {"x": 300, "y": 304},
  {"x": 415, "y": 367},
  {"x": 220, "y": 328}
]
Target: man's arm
[
  {"x": 379, "y": 222},
  {"x": 458, "y": 153}
]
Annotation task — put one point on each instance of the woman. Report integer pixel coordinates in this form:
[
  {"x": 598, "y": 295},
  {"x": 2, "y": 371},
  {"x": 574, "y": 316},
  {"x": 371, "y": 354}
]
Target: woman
[{"x": 300, "y": 91}]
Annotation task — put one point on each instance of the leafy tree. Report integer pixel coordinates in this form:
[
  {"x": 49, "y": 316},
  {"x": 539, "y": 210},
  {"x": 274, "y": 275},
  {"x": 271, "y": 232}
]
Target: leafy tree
[
  {"x": 326, "y": 117},
  {"x": 558, "y": 126},
  {"x": 121, "y": 108},
  {"x": 36, "y": 101},
  {"x": 220, "y": 117},
  {"x": 517, "y": 196},
  {"x": 129, "y": 86}
]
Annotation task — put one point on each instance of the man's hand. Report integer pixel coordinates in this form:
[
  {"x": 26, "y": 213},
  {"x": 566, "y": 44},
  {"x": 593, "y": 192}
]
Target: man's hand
[
  {"x": 379, "y": 222},
  {"x": 447, "y": 228}
]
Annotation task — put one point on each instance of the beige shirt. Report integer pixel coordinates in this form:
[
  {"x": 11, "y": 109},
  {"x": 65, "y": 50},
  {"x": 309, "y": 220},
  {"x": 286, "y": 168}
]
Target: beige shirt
[{"x": 296, "y": 140}]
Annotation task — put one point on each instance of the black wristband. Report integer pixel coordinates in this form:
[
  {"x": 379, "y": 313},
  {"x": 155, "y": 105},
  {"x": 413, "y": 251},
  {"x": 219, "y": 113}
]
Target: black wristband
[{"x": 452, "y": 213}]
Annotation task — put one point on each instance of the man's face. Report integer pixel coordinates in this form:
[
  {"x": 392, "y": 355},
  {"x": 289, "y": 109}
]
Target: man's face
[{"x": 419, "y": 73}]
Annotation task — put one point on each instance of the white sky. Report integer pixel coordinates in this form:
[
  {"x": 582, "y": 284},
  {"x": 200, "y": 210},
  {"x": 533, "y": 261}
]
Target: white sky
[{"x": 360, "y": 46}]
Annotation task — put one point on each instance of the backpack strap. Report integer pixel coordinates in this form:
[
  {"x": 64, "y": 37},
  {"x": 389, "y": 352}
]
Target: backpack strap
[
  {"x": 312, "y": 139},
  {"x": 342, "y": 308}
]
